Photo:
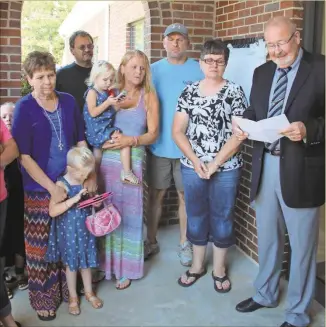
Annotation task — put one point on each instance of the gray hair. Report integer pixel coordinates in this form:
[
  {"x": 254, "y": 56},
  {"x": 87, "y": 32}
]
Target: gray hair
[
  {"x": 281, "y": 21},
  {"x": 216, "y": 47},
  {"x": 75, "y": 35}
]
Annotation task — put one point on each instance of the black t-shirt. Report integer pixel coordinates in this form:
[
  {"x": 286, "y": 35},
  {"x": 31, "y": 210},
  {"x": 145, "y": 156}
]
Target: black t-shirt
[{"x": 71, "y": 79}]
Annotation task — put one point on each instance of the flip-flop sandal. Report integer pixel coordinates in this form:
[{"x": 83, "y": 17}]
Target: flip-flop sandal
[
  {"x": 121, "y": 280},
  {"x": 189, "y": 275},
  {"x": 221, "y": 280},
  {"x": 47, "y": 318}
]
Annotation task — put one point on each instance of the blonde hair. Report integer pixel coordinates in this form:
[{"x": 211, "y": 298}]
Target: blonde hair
[
  {"x": 80, "y": 157},
  {"x": 99, "y": 67},
  {"x": 147, "y": 82},
  {"x": 7, "y": 104}
]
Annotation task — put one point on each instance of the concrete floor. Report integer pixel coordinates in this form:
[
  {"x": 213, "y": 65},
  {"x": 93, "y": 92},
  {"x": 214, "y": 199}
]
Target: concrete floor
[{"x": 157, "y": 299}]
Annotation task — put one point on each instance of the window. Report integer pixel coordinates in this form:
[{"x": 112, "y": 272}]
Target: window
[{"x": 137, "y": 41}]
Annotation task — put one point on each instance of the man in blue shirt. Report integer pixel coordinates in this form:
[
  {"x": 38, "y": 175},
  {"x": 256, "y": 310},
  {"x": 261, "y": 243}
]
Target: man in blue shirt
[{"x": 170, "y": 76}]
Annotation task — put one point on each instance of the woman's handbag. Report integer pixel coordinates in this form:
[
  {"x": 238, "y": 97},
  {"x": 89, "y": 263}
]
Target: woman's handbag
[{"x": 104, "y": 221}]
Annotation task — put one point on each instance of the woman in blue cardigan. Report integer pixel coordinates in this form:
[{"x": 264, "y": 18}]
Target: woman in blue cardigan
[{"x": 46, "y": 125}]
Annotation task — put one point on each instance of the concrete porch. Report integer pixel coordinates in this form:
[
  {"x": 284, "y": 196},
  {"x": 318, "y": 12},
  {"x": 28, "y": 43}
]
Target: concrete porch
[{"x": 157, "y": 299}]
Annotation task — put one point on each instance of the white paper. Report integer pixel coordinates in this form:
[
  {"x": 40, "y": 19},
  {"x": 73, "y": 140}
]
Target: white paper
[{"x": 266, "y": 130}]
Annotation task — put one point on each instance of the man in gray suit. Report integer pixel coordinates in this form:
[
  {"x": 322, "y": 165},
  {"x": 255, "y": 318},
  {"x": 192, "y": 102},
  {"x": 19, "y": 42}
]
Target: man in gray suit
[{"x": 288, "y": 176}]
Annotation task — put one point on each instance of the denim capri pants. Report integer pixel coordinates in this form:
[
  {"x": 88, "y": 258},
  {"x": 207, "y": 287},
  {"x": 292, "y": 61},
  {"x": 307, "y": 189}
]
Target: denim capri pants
[{"x": 210, "y": 206}]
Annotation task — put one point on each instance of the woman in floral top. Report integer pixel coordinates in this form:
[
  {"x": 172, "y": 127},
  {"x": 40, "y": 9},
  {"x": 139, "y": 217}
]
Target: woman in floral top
[{"x": 211, "y": 163}]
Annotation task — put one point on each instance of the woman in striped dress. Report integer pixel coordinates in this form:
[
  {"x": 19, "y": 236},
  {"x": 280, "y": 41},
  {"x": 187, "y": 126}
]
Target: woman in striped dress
[
  {"x": 46, "y": 125},
  {"x": 122, "y": 250}
]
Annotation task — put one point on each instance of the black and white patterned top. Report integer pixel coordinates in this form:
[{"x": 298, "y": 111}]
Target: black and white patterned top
[{"x": 210, "y": 121}]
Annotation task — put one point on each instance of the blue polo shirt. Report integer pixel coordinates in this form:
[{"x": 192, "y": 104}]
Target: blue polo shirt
[{"x": 169, "y": 81}]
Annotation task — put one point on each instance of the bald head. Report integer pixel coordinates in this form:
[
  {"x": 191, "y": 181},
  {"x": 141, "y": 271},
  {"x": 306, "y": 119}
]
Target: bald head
[{"x": 281, "y": 22}]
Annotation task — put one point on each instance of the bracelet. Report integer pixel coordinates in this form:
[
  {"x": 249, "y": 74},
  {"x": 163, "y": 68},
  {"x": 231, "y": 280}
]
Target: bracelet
[{"x": 135, "y": 140}]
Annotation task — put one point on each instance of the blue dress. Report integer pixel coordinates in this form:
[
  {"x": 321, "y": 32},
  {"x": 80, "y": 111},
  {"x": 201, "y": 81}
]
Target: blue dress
[
  {"x": 100, "y": 128},
  {"x": 69, "y": 239}
]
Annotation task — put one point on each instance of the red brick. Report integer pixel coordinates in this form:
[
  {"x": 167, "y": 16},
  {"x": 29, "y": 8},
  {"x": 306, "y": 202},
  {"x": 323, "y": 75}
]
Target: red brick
[
  {"x": 155, "y": 13},
  {"x": 8, "y": 50},
  {"x": 4, "y": 5},
  {"x": 221, "y": 33},
  {"x": 183, "y": 14},
  {"x": 278, "y": 13},
  {"x": 3, "y": 75},
  {"x": 156, "y": 45},
  {"x": 3, "y": 92},
  {"x": 272, "y": 7},
  {"x": 195, "y": 23},
  {"x": 243, "y": 30},
  {"x": 257, "y": 10},
  {"x": 15, "y": 14},
  {"x": 14, "y": 23},
  {"x": 250, "y": 4},
  {"x": 251, "y": 20},
  {"x": 165, "y": 5},
  {"x": 3, "y": 22},
  {"x": 203, "y": 31},
  {"x": 297, "y": 13},
  {"x": 218, "y": 26},
  {"x": 263, "y": 2},
  {"x": 240, "y": 5},
  {"x": 14, "y": 58},
  {"x": 167, "y": 21},
  {"x": 177, "y": 6},
  {"x": 152, "y": 4},
  {"x": 228, "y": 9},
  {"x": 194, "y": 7},
  {"x": 209, "y": 8},
  {"x": 15, "y": 41},
  {"x": 3, "y": 58},
  {"x": 203, "y": 15},
  {"x": 3, "y": 41},
  {"x": 155, "y": 53},
  {"x": 208, "y": 23},
  {"x": 221, "y": 19},
  {"x": 228, "y": 24},
  {"x": 197, "y": 39},
  {"x": 10, "y": 32},
  {"x": 232, "y": 31},
  {"x": 157, "y": 29},
  {"x": 223, "y": 3},
  {"x": 244, "y": 13},
  {"x": 256, "y": 28},
  {"x": 286, "y": 4},
  {"x": 4, "y": 14},
  {"x": 16, "y": 6},
  {"x": 166, "y": 13},
  {"x": 10, "y": 83},
  {"x": 264, "y": 18},
  {"x": 238, "y": 22},
  {"x": 219, "y": 11},
  {"x": 233, "y": 15}
]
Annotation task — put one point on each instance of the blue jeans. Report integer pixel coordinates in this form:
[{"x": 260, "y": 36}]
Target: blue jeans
[{"x": 210, "y": 205}]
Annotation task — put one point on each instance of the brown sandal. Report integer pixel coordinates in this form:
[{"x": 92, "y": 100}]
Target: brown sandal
[
  {"x": 73, "y": 306},
  {"x": 94, "y": 300}
]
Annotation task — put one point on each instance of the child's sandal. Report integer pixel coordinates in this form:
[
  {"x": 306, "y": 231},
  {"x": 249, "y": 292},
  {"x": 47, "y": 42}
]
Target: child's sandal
[
  {"x": 129, "y": 178},
  {"x": 73, "y": 306},
  {"x": 94, "y": 300}
]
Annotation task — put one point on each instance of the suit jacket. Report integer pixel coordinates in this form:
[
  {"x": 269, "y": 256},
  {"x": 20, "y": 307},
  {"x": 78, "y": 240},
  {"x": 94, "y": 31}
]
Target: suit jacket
[{"x": 302, "y": 165}]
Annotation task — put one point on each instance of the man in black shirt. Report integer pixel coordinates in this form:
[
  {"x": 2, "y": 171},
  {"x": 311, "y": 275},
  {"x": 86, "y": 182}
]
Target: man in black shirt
[{"x": 71, "y": 78}]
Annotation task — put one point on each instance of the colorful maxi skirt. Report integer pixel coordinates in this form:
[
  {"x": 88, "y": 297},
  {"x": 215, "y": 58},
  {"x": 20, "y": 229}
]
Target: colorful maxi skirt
[
  {"x": 121, "y": 252},
  {"x": 46, "y": 281}
]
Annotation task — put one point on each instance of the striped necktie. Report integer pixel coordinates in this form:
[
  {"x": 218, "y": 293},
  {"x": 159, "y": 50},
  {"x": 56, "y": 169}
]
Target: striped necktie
[{"x": 278, "y": 100}]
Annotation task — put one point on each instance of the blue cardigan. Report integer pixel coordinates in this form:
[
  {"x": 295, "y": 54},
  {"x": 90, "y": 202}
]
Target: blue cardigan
[{"x": 32, "y": 132}]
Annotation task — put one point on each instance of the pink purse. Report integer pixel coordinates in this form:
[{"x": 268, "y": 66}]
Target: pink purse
[{"x": 103, "y": 222}]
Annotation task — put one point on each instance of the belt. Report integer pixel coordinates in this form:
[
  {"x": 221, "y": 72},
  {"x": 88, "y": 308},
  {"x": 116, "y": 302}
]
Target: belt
[{"x": 274, "y": 152}]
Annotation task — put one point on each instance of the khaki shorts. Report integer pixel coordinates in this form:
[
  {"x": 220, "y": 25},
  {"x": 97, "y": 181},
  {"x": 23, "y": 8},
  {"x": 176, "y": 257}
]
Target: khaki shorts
[{"x": 161, "y": 170}]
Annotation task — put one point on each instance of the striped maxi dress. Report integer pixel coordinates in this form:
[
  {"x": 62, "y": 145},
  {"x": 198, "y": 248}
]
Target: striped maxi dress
[{"x": 121, "y": 252}]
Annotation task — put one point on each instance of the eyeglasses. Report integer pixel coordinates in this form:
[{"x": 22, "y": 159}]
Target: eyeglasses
[
  {"x": 211, "y": 61},
  {"x": 273, "y": 46},
  {"x": 87, "y": 46}
]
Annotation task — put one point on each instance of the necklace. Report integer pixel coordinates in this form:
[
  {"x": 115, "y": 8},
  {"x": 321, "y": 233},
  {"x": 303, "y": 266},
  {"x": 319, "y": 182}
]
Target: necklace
[{"x": 58, "y": 135}]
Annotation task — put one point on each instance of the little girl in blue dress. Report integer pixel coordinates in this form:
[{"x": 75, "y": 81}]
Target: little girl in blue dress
[
  {"x": 99, "y": 114},
  {"x": 69, "y": 239}
]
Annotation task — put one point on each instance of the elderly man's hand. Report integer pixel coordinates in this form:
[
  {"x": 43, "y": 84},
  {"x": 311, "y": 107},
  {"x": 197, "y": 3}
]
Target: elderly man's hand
[
  {"x": 295, "y": 132},
  {"x": 238, "y": 132}
]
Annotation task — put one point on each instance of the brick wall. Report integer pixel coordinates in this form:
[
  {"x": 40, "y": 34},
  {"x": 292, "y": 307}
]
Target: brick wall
[
  {"x": 122, "y": 13},
  {"x": 242, "y": 19},
  {"x": 10, "y": 50}
]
